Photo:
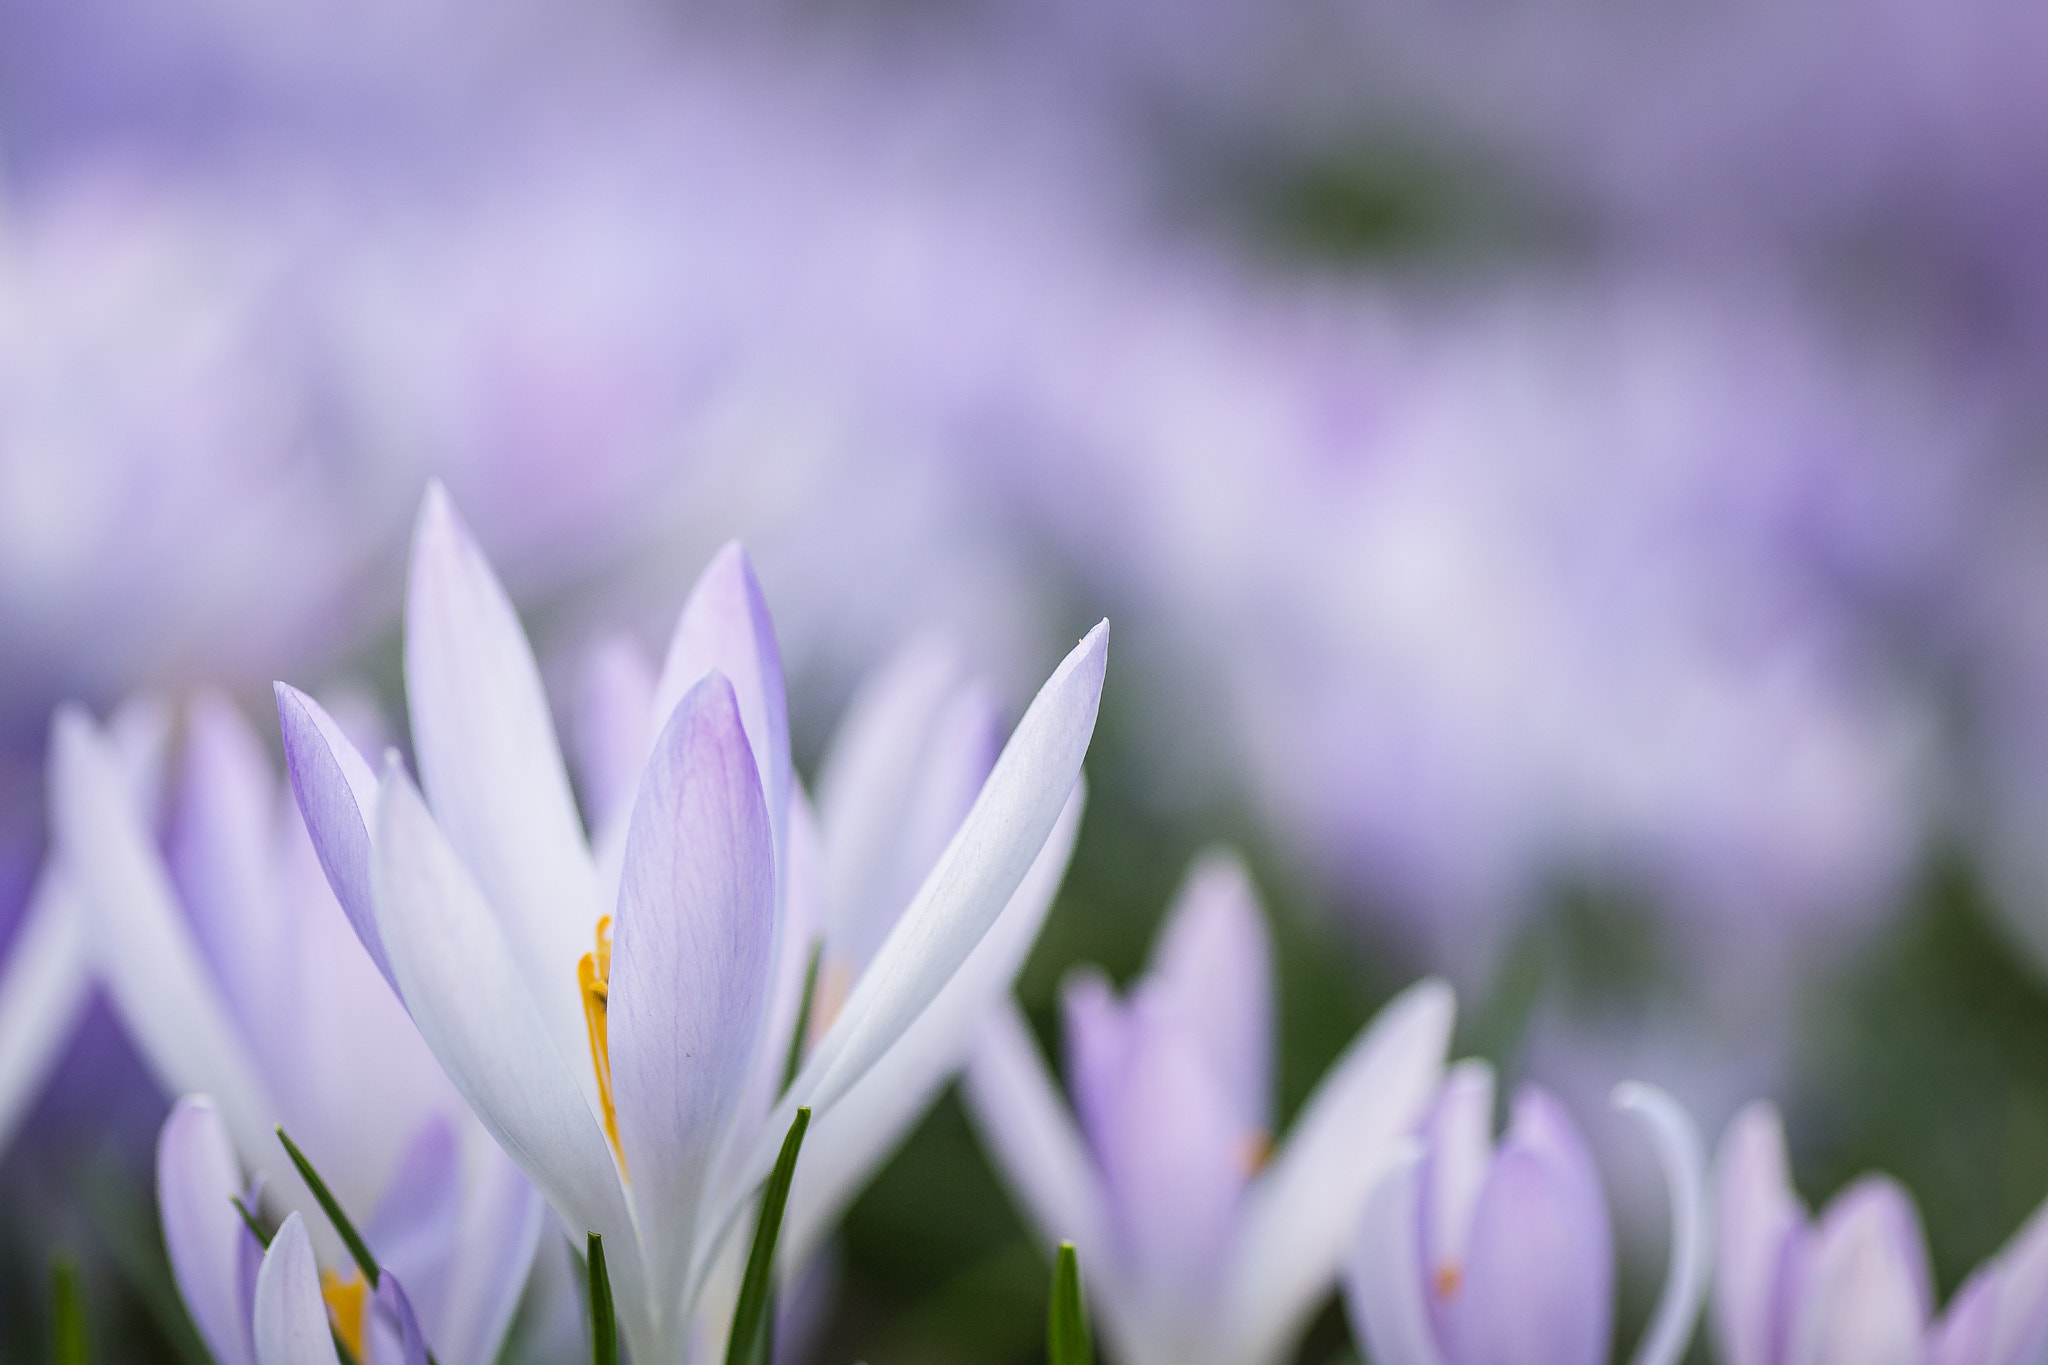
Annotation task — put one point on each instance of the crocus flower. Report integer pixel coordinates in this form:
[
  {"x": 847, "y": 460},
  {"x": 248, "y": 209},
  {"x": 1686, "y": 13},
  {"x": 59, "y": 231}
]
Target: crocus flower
[
  {"x": 1476, "y": 1254},
  {"x": 1854, "y": 1285},
  {"x": 255, "y": 1304},
  {"x": 237, "y": 975},
  {"x": 630, "y": 1061},
  {"x": 1204, "y": 1242}
]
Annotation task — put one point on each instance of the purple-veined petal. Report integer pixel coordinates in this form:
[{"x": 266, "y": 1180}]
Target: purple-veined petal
[
  {"x": 491, "y": 768},
  {"x": 1214, "y": 965},
  {"x": 159, "y": 981},
  {"x": 1964, "y": 1334},
  {"x": 1757, "y": 1212},
  {"x": 725, "y": 627},
  {"x": 337, "y": 797},
  {"x": 1386, "y": 1278},
  {"x": 1302, "y": 1211},
  {"x": 44, "y": 984},
  {"x": 394, "y": 1327},
  {"x": 470, "y": 1000},
  {"x": 496, "y": 1242},
  {"x": 857, "y": 1134},
  {"x": 291, "y": 1316},
  {"x": 690, "y": 965},
  {"x": 614, "y": 731},
  {"x": 1016, "y": 1107},
  {"x": 1459, "y": 1155},
  {"x": 196, "y": 1176},
  {"x": 1677, "y": 1142},
  {"x": 1869, "y": 1291},
  {"x": 1538, "y": 1285}
]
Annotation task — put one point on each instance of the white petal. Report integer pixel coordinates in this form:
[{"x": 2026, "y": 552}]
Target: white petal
[
  {"x": 43, "y": 990},
  {"x": 1303, "y": 1210},
  {"x": 491, "y": 767},
  {"x": 1757, "y": 1213},
  {"x": 196, "y": 1176},
  {"x": 1213, "y": 966},
  {"x": 613, "y": 736},
  {"x": 1866, "y": 1302},
  {"x": 160, "y": 983},
  {"x": 495, "y": 1244},
  {"x": 1685, "y": 1276},
  {"x": 855, "y": 1136},
  {"x": 1460, "y": 1153},
  {"x": 336, "y": 794},
  {"x": 291, "y": 1317},
  {"x": 1385, "y": 1281}
]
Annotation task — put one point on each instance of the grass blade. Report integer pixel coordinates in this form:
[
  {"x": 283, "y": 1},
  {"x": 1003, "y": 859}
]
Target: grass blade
[
  {"x": 802, "y": 1030},
  {"x": 604, "y": 1318},
  {"x": 750, "y": 1326},
  {"x": 67, "y": 1314},
  {"x": 350, "y": 1238},
  {"x": 1066, "y": 1321}
]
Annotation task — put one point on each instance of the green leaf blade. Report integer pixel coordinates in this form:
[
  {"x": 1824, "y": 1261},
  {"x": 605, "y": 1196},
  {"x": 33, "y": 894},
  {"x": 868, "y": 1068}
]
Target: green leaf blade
[
  {"x": 67, "y": 1314},
  {"x": 604, "y": 1319},
  {"x": 358, "y": 1249},
  {"x": 750, "y": 1319},
  {"x": 1067, "y": 1341}
]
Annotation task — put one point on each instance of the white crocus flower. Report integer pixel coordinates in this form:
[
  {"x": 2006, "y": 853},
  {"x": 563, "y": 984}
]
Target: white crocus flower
[{"x": 622, "y": 1047}]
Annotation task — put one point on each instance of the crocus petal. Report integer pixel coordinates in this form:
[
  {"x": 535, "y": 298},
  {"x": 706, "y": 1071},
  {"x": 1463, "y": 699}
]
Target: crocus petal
[
  {"x": 1302, "y": 1212},
  {"x": 337, "y": 796},
  {"x": 1757, "y": 1213},
  {"x": 291, "y": 1317},
  {"x": 2020, "y": 1331},
  {"x": 44, "y": 985},
  {"x": 154, "y": 970},
  {"x": 1096, "y": 1028},
  {"x": 1459, "y": 1155},
  {"x": 495, "y": 1246},
  {"x": 1215, "y": 964},
  {"x": 411, "y": 1231},
  {"x": 1016, "y": 1107},
  {"x": 1538, "y": 1286},
  {"x": 391, "y": 1310},
  {"x": 725, "y": 627},
  {"x": 1677, "y": 1142},
  {"x": 1867, "y": 1300},
  {"x": 689, "y": 964},
  {"x": 471, "y": 1002},
  {"x": 856, "y": 1135},
  {"x": 491, "y": 767},
  {"x": 1965, "y": 1333},
  {"x": 1386, "y": 1278},
  {"x": 196, "y": 1176},
  {"x": 614, "y": 730}
]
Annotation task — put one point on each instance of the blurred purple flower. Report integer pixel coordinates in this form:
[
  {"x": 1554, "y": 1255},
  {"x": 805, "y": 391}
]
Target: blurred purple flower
[
  {"x": 1199, "y": 1247},
  {"x": 1477, "y": 1254}
]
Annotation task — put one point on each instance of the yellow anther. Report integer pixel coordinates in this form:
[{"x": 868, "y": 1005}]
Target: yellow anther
[
  {"x": 348, "y": 1305},
  {"x": 1448, "y": 1280},
  {"x": 1254, "y": 1150},
  {"x": 594, "y": 976}
]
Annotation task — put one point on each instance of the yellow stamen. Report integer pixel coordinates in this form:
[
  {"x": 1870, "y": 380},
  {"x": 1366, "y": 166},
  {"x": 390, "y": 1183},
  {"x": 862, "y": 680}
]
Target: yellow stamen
[
  {"x": 594, "y": 975},
  {"x": 348, "y": 1304},
  {"x": 1449, "y": 1279},
  {"x": 1254, "y": 1150}
]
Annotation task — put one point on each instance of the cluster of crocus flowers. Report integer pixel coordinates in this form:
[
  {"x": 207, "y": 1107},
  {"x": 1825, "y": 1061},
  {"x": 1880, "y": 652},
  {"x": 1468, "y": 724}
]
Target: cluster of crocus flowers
[
  {"x": 1205, "y": 1241},
  {"x": 621, "y": 1012}
]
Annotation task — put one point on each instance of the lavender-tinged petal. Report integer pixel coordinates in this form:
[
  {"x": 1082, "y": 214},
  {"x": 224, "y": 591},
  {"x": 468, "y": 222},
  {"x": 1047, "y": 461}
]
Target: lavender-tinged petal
[
  {"x": 1096, "y": 1029},
  {"x": 1965, "y": 1333},
  {"x": 494, "y": 1253},
  {"x": 1017, "y": 1109},
  {"x": 725, "y": 627},
  {"x": 614, "y": 731},
  {"x": 1867, "y": 1299},
  {"x": 1303, "y": 1210},
  {"x": 492, "y": 769},
  {"x": 1677, "y": 1142},
  {"x": 2020, "y": 1331},
  {"x": 1539, "y": 1272},
  {"x": 159, "y": 981},
  {"x": 466, "y": 992},
  {"x": 1459, "y": 1154},
  {"x": 196, "y": 1176},
  {"x": 391, "y": 1310},
  {"x": 689, "y": 965},
  {"x": 1757, "y": 1212},
  {"x": 412, "y": 1229},
  {"x": 337, "y": 797},
  {"x": 1214, "y": 964},
  {"x": 1386, "y": 1279},
  {"x": 291, "y": 1316},
  {"x": 856, "y": 1135},
  {"x": 44, "y": 986}
]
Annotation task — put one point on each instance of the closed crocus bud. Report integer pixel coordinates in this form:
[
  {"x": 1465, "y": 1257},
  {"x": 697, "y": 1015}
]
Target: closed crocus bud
[
  {"x": 1853, "y": 1286},
  {"x": 1477, "y": 1253}
]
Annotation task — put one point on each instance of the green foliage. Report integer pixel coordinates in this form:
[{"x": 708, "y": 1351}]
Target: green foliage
[
  {"x": 67, "y": 1314},
  {"x": 1067, "y": 1341},
  {"x": 358, "y": 1249},
  {"x": 753, "y": 1318},
  {"x": 604, "y": 1319}
]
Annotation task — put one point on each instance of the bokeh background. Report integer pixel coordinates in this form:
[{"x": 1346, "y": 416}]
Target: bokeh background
[{"x": 1568, "y": 480}]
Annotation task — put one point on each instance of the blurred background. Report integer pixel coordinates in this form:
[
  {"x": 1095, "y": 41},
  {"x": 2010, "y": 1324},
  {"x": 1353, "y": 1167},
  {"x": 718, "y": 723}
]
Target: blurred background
[{"x": 1568, "y": 480}]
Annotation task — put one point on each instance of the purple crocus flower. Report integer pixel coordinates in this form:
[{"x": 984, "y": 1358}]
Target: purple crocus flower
[
  {"x": 237, "y": 975},
  {"x": 1477, "y": 1254},
  {"x": 617, "y": 1011},
  {"x": 1853, "y": 1286},
  {"x": 1205, "y": 1243},
  {"x": 255, "y": 1305}
]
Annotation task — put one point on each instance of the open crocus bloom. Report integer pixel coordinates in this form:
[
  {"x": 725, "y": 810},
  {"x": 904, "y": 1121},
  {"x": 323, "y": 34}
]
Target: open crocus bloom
[
  {"x": 1472, "y": 1254},
  {"x": 1204, "y": 1242},
  {"x": 618, "y": 1011},
  {"x": 1853, "y": 1287},
  {"x": 237, "y": 974},
  {"x": 252, "y": 1305}
]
